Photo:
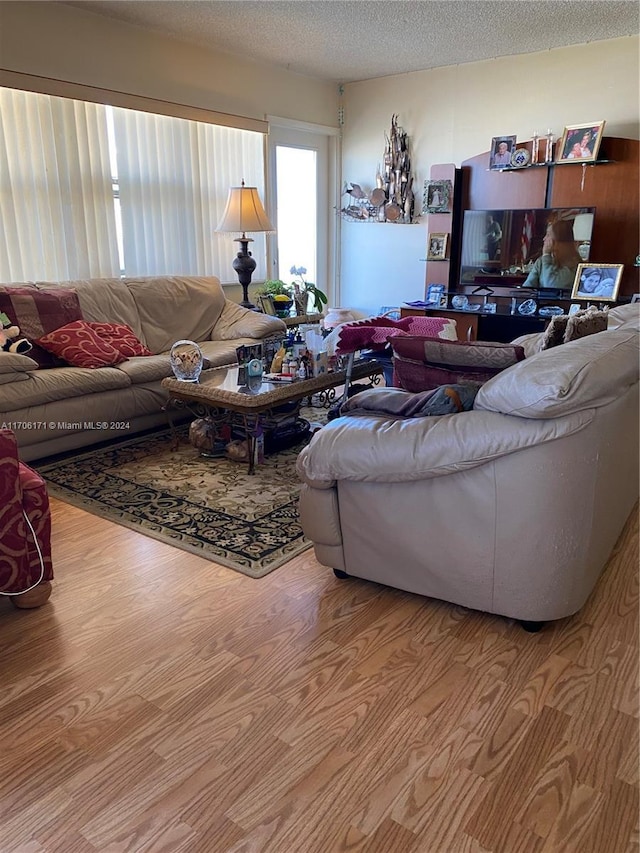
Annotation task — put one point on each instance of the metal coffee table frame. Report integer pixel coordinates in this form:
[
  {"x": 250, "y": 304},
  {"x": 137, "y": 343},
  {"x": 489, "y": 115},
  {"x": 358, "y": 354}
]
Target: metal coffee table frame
[{"x": 250, "y": 411}]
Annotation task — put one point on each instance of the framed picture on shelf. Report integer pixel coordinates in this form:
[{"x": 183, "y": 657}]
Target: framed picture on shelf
[
  {"x": 267, "y": 305},
  {"x": 597, "y": 282},
  {"x": 437, "y": 247},
  {"x": 437, "y": 197},
  {"x": 580, "y": 142},
  {"x": 502, "y": 148},
  {"x": 435, "y": 295}
]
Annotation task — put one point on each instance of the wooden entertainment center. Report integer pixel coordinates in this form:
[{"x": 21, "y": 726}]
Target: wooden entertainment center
[{"x": 610, "y": 185}]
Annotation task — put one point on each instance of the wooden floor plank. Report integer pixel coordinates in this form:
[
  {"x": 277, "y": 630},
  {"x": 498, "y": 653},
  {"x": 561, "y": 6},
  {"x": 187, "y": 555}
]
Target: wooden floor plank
[{"x": 161, "y": 702}]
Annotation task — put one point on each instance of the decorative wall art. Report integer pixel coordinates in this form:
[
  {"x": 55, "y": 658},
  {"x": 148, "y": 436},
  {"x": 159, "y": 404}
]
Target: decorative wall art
[
  {"x": 437, "y": 247},
  {"x": 502, "y": 148},
  {"x": 392, "y": 199},
  {"x": 437, "y": 197},
  {"x": 580, "y": 142},
  {"x": 597, "y": 282}
]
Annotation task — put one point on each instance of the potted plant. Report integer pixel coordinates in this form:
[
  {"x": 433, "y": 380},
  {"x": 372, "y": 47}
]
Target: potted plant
[
  {"x": 303, "y": 289},
  {"x": 280, "y": 293}
]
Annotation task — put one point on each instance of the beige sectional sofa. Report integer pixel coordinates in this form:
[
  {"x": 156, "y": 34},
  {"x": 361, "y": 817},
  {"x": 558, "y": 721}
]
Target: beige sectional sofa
[
  {"x": 512, "y": 508},
  {"x": 62, "y": 408}
]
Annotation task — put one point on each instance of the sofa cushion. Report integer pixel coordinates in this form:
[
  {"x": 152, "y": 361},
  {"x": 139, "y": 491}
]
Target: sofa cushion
[
  {"x": 80, "y": 346},
  {"x": 38, "y": 312},
  {"x": 6, "y": 378},
  {"x": 175, "y": 307},
  {"x": 103, "y": 300},
  {"x": 14, "y": 362},
  {"x": 420, "y": 364},
  {"x": 121, "y": 338},
  {"x": 61, "y": 383},
  {"x": 586, "y": 373}
]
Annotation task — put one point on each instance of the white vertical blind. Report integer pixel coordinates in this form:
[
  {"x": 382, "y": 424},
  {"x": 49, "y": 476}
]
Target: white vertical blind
[
  {"x": 174, "y": 177},
  {"x": 56, "y": 197},
  {"x": 61, "y": 204}
]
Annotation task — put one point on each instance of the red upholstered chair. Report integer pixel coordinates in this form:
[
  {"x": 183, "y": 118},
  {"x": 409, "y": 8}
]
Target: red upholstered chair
[{"x": 25, "y": 529}]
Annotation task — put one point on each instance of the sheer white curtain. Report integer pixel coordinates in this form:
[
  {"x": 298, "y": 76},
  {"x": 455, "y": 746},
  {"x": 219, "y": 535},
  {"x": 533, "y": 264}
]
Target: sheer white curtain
[
  {"x": 56, "y": 196},
  {"x": 173, "y": 178}
]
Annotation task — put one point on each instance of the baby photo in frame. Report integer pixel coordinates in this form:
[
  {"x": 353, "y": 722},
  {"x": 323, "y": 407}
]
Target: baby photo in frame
[
  {"x": 597, "y": 282},
  {"x": 580, "y": 142},
  {"x": 437, "y": 246}
]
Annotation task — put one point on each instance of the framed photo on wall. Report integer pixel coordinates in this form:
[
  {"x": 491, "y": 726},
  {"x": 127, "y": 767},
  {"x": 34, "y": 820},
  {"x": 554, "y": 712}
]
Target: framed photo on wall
[
  {"x": 437, "y": 197},
  {"x": 580, "y": 142},
  {"x": 597, "y": 282},
  {"x": 502, "y": 148},
  {"x": 437, "y": 246}
]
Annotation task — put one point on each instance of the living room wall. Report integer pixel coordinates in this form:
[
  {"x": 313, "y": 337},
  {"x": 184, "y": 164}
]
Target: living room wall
[
  {"x": 66, "y": 43},
  {"x": 451, "y": 114}
]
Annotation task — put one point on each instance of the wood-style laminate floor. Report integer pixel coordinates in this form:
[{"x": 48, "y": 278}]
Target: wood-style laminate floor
[{"x": 162, "y": 703}]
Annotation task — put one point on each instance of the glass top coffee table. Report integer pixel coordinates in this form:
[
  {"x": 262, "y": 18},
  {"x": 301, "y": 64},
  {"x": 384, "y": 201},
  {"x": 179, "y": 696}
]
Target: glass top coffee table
[{"x": 218, "y": 395}]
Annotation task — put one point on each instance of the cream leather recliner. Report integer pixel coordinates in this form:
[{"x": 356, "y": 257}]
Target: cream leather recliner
[{"x": 512, "y": 508}]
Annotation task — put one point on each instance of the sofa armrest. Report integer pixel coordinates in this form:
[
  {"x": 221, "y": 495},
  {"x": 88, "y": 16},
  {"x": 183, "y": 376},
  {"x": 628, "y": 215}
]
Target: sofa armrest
[
  {"x": 238, "y": 322},
  {"x": 381, "y": 450}
]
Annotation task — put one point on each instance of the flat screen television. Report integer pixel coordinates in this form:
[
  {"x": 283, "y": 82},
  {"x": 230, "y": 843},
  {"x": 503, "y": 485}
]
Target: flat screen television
[{"x": 501, "y": 247}]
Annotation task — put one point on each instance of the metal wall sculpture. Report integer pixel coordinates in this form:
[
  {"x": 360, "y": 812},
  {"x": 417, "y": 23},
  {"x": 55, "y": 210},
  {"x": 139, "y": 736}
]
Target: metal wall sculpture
[{"x": 392, "y": 198}]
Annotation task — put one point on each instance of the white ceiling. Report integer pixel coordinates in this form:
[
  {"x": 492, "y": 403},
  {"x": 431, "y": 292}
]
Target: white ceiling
[{"x": 348, "y": 40}]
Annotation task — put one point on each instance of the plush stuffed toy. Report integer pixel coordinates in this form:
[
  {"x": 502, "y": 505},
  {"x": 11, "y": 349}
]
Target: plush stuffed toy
[{"x": 10, "y": 340}]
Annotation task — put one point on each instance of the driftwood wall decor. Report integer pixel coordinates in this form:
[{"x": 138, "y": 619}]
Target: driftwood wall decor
[{"x": 392, "y": 198}]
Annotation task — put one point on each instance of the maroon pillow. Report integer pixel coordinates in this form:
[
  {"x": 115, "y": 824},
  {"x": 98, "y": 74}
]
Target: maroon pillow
[
  {"x": 421, "y": 364},
  {"x": 80, "y": 346},
  {"x": 38, "y": 312},
  {"x": 121, "y": 338}
]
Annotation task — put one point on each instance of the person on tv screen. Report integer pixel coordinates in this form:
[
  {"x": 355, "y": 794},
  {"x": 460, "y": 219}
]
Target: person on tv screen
[{"x": 556, "y": 268}]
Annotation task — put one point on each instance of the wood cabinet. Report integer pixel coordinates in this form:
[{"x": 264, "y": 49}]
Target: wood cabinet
[
  {"x": 475, "y": 326},
  {"x": 611, "y": 185}
]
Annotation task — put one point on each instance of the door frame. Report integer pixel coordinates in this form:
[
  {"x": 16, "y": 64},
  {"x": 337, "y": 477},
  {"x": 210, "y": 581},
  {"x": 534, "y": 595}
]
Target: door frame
[{"x": 334, "y": 185}]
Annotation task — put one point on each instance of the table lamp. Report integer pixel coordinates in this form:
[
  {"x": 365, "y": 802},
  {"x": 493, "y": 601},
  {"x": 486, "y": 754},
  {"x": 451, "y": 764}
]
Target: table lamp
[
  {"x": 582, "y": 228},
  {"x": 244, "y": 212}
]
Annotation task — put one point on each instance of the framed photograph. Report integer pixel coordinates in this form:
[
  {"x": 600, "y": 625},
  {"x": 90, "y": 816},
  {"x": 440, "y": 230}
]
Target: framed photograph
[
  {"x": 266, "y": 303},
  {"x": 502, "y": 148},
  {"x": 435, "y": 295},
  {"x": 437, "y": 197},
  {"x": 574, "y": 308},
  {"x": 437, "y": 247},
  {"x": 597, "y": 282},
  {"x": 580, "y": 142}
]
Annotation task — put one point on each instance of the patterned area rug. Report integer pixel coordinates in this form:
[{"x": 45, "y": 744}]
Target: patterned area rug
[{"x": 211, "y": 507}]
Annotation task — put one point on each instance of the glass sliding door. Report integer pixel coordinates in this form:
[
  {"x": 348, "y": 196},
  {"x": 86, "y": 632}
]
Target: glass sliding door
[{"x": 303, "y": 181}]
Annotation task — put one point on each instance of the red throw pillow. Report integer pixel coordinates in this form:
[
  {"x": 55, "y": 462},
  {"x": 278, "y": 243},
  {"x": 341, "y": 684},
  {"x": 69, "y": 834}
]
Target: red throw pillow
[
  {"x": 421, "y": 364},
  {"x": 80, "y": 346},
  {"x": 121, "y": 338},
  {"x": 38, "y": 312}
]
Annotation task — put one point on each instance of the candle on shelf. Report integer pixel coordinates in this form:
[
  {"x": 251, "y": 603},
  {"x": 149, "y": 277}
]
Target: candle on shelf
[
  {"x": 535, "y": 145},
  {"x": 548, "y": 154}
]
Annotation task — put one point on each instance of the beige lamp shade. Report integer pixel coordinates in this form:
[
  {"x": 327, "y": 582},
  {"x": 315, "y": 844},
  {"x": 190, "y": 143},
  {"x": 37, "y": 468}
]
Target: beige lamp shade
[{"x": 244, "y": 211}]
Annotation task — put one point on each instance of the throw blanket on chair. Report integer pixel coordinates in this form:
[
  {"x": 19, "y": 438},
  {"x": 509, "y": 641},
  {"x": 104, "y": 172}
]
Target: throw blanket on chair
[
  {"x": 393, "y": 402},
  {"x": 374, "y": 332}
]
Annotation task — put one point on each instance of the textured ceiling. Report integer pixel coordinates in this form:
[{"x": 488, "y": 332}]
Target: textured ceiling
[{"x": 348, "y": 40}]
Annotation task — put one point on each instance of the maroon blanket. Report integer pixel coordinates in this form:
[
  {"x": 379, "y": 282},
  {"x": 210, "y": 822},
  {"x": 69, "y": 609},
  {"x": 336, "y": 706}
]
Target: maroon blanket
[{"x": 375, "y": 332}]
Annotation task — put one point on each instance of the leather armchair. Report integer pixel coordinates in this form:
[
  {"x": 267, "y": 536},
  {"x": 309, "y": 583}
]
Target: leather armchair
[{"x": 26, "y": 569}]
